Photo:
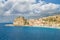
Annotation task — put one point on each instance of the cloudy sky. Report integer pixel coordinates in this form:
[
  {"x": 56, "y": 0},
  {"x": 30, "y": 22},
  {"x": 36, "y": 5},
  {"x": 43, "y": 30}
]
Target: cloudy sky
[{"x": 10, "y": 9}]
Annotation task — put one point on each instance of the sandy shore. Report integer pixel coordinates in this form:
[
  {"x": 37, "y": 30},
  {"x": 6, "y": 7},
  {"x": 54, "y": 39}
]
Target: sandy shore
[
  {"x": 36, "y": 26},
  {"x": 9, "y": 25}
]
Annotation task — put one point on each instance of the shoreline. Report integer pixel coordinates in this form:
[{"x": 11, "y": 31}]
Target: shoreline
[{"x": 54, "y": 27}]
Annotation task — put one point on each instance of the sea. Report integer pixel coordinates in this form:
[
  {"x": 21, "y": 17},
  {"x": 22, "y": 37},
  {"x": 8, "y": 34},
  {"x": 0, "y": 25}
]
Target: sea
[{"x": 28, "y": 33}]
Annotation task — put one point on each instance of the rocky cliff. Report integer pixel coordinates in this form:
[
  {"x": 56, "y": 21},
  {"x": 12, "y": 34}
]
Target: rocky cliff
[{"x": 45, "y": 21}]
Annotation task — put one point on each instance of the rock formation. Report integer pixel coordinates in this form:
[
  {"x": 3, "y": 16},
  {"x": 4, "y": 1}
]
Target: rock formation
[
  {"x": 20, "y": 21},
  {"x": 46, "y": 21}
]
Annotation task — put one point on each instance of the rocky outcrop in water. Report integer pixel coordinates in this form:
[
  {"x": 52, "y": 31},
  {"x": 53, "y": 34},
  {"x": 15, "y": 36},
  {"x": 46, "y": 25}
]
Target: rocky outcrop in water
[{"x": 20, "y": 21}]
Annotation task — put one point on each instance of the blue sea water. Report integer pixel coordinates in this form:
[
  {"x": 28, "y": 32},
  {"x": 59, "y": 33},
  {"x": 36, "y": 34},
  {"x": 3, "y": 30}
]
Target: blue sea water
[{"x": 28, "y": 33}]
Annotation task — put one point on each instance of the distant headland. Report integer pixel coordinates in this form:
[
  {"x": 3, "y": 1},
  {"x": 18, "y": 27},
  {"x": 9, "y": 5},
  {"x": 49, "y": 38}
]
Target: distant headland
[{"x": 45, "y": 21}]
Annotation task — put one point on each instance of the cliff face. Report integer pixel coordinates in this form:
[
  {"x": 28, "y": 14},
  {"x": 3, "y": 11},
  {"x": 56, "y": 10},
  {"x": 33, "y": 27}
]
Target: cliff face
[
  {"x": 52, "y": 20},
  {"x": 20, "y": 21},
  {"x": 46, "y": 21}
]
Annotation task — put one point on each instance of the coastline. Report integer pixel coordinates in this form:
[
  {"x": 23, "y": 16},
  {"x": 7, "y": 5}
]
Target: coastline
[
  {"x": 53, "y": 27},
  {"x": 45, "y": 22}
]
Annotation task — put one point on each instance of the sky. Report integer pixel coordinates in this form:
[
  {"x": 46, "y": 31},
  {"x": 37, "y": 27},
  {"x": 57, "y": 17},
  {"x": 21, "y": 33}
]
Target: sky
[
  {"x": 53, "y": 1},
  {"x": 10, "y": 9}
]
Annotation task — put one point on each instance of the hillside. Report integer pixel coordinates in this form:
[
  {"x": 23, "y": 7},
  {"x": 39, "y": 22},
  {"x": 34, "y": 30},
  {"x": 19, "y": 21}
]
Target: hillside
[{"x": 45, "y": 21}]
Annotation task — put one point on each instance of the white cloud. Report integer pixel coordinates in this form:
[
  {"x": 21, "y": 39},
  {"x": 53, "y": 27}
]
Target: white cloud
[
  {"x": 21, "y": 7},
  {"x": 30, "y": 1},
  {"x": 7, "y": 13},
  {"x": 42, "y": 8},
  {"x": 49, "y": 6},
  {"x": 26, "y": 8},
  {"x": 1, "y": 4}
]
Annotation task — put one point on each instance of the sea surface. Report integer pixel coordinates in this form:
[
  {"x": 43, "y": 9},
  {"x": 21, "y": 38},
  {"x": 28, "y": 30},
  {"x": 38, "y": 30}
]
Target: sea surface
[{"x": 28, "y": 33}]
